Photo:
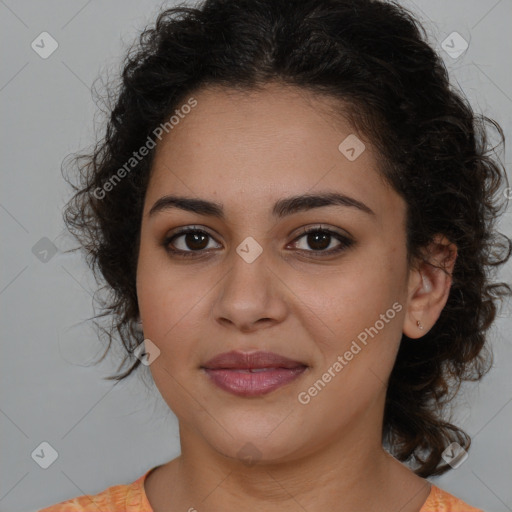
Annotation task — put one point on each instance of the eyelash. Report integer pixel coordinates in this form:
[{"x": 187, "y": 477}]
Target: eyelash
[{"x": 345, "y": 242}]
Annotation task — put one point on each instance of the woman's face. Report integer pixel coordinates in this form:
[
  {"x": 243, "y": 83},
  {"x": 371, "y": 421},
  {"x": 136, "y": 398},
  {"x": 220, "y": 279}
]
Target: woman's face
[{"x": 256, "y": 282}]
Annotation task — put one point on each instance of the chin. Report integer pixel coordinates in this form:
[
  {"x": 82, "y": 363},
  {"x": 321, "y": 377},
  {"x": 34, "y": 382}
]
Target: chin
[
  {"x": 251, "y": 452},
  {"x": 256, "y": 445}
]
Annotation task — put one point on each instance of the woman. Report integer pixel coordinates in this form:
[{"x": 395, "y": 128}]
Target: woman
[{"x": 299, "y": 212}]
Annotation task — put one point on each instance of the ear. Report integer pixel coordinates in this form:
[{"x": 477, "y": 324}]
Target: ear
[{"x": 429, "y": 285}]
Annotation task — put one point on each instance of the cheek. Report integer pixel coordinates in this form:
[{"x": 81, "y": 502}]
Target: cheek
[
  {"x": 166, "y": 296},
  {"x": 169, "y": 316},
  {"x": 360, "y": 307},
  {"x": 354, "y": 296}
]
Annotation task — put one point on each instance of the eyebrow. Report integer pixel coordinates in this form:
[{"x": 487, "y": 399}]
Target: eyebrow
[{"x": 282, "y": 207}]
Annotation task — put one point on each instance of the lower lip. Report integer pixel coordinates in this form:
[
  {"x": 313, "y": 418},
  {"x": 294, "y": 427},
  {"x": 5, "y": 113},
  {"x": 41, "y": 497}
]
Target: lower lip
[{"x": 244, "y": 383}]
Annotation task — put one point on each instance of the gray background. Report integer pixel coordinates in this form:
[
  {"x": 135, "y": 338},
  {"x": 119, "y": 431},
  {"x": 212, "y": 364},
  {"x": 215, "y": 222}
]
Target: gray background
[{"x": 108, "y": 434}]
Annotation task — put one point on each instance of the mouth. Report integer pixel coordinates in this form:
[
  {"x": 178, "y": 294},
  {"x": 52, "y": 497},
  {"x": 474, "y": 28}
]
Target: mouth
[{"x": 252, "y": 374}]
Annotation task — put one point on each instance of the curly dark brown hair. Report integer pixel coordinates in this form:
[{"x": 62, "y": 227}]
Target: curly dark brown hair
[{"x": 393, "y": 87}]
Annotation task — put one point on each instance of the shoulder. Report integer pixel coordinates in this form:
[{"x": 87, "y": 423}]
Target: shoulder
[
  {"x": 442, "y": 501},
  {"x": 118, "y": 498}
]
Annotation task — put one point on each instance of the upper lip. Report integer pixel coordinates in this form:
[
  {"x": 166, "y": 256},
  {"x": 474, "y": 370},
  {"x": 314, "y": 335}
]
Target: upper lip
[{"x": 249, "y": 360}]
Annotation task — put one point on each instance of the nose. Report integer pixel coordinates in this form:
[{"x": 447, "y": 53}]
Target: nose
[{"x": 250, "y": 296}]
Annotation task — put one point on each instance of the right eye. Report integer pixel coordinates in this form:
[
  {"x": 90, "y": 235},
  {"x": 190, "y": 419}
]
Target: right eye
[{"x": 186, "y": 242}]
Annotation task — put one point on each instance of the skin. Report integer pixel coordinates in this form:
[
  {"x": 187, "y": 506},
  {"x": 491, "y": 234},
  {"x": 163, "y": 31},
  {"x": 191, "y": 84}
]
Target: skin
[{"x": 246, "y": 151}]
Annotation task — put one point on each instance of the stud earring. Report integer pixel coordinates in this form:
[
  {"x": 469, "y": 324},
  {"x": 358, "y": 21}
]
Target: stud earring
[{"x": 419, "y": 324}]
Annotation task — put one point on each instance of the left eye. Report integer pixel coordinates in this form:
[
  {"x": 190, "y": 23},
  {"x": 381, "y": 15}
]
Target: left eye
[{"x": 320, "y": 239}]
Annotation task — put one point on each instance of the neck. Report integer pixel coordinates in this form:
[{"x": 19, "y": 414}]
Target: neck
[
  {"x": 279, "y": 486},
  {"x": 347, "y": 470},
  {"x": 352, "y": 473}
]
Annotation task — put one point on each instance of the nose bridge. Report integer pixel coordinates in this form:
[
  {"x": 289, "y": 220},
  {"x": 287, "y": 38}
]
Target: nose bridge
[{"x": 249, "y": 291}]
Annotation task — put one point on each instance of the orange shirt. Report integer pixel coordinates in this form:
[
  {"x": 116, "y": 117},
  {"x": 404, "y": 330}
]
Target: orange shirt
[{"x": 132, "y": 498}]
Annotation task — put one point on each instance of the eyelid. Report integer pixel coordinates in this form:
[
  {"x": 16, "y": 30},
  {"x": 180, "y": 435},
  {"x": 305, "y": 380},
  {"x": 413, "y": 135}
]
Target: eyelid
[
  {"x": 322, "y": 227},
  {"x": 303, "y": 230},
  {"x": 188, "y": 228}
]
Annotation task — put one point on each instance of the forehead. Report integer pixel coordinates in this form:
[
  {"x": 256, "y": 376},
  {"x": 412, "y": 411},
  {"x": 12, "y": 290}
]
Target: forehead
[{"x": 249, "y": 148}]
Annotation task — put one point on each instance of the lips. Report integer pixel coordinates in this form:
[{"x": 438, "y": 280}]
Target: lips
[{"x": 252, "y": 374}]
